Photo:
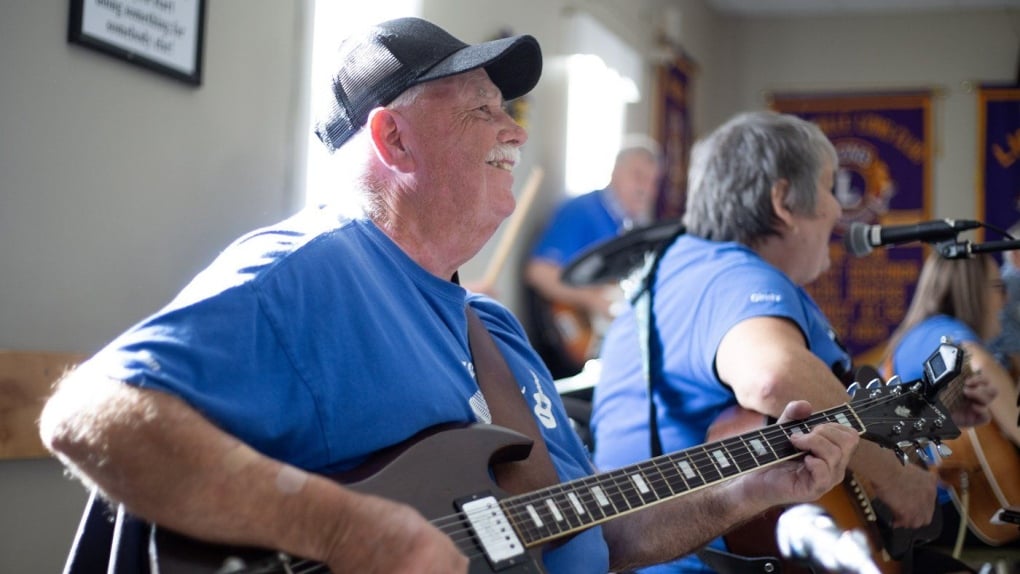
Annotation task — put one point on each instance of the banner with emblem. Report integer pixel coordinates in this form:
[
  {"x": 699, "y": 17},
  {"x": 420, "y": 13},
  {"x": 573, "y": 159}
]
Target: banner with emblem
[
  {"x": 673, "y": 131},
  {"x": 998, "y": 186},
  {"x": 883, "y": 141}
]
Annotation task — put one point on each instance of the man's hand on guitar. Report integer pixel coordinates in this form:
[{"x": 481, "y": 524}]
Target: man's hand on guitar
[
  {"x": 829, "y": 448},
  {"x": 380, "y": 536}
]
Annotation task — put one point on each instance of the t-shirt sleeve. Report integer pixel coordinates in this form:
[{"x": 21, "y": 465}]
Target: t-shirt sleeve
[
  {"x": 220, "y": 355},
  {"x": 734, "y": 295}
]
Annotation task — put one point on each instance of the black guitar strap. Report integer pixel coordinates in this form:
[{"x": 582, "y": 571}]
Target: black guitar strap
[
  {"x": 508, "y": 409},
  {"x": 648, "y": 335}
]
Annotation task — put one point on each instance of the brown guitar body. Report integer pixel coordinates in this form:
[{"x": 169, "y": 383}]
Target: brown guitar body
[
  {"x": 849, "y": 506},
  {"x": 989, "y": 463}
]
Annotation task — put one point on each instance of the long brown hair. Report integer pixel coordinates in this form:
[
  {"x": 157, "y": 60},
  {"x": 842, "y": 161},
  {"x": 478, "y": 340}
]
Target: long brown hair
[{"x": 954, "y": 287}]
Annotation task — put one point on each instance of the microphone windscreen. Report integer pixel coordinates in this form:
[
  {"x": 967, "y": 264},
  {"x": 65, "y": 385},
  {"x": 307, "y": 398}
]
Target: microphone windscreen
[{"x": 855, "y": 240}]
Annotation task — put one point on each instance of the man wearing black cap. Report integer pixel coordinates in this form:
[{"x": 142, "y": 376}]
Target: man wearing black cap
[{"x": 309, "y": 346}]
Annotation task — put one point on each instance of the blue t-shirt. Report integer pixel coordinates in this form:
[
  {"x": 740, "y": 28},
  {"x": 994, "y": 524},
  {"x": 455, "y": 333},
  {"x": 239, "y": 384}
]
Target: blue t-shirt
[
  {"x": 702, "y": 290},
  {"x": 923, "y": 339},
  {"x": 579, "y": 223},
  {"x": 918, "y": 344},
  {"x": 318, "y": 342}
]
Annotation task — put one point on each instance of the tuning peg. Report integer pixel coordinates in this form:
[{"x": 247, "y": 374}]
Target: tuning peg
[
  {"x": 943, "y": 450},
  {"x": 902, "y": 456},
  {"x": 853, "y": 388},
  {"x": 894, "y": 381},
  {"x": 874, "y": 384},
  {"x": 923, "y": 453}
]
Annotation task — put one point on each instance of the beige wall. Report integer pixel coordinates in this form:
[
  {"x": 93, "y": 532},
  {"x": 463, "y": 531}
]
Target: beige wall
[
  {"x": 118, "y": 184},
  {"x": 950, "y": 52}
]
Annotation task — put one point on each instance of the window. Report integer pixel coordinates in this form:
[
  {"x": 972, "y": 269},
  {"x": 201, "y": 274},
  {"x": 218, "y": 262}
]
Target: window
[
  {"x": 602, "y": 78},
  {"x": 333, "y": 21}
]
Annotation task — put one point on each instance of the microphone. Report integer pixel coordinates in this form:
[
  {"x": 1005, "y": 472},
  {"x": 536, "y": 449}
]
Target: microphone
[
  {"x": 860, "y": 239},
  {"x": 806, "y": 533}
]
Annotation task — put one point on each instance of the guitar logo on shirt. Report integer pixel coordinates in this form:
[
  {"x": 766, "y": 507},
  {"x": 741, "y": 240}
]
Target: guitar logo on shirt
[
  {"x": 477, "y": 400},
  {"x": 543, "y": 406}
]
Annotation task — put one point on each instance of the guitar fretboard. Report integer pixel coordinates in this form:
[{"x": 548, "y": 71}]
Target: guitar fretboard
[{"x": 550, "y": 513}]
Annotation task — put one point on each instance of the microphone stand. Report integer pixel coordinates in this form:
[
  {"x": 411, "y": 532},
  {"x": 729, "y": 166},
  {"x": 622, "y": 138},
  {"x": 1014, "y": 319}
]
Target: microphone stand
[{"x": 964, "y": 249}]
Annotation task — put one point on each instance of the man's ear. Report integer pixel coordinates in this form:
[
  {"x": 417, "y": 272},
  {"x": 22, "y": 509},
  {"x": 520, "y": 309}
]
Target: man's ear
[
  {"x": 387, "y": 129},
  {"x": 780, "y": 189}
]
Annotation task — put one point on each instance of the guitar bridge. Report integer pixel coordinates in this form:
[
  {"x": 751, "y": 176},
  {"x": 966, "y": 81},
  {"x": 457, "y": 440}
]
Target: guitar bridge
[{"x": 493, "y": 532}]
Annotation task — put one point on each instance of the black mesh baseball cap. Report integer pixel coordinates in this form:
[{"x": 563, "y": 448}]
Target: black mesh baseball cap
[{"x": 381, "y": 63}]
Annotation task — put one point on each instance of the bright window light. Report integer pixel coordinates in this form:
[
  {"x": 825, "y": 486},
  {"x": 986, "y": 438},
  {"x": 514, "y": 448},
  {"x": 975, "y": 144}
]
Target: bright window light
[
  {"x": 333, "y": 21},
  {"x": 603, "y": 75},
  {"x": 597, "y": 96}
]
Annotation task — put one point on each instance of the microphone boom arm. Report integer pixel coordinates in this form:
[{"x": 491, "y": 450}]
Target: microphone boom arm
[{"x": 964, "y": 249}]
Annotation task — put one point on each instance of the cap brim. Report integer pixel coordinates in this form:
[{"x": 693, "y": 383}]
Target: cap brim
[{"x": 514, "y": 64}]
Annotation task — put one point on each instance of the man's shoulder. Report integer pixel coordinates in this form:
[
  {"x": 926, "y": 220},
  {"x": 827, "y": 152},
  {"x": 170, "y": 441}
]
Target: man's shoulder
[{"x": 259, "y": 254}]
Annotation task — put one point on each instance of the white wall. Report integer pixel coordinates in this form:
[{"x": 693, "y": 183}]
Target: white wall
[{"x": 117, "y": 184}]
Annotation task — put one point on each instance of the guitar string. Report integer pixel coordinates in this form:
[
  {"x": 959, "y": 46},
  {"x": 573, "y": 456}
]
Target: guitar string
[
  {"x": 620, "y": 482},
  {"x": 515, "y": 506},
  {"x": 628, "y": 487}
]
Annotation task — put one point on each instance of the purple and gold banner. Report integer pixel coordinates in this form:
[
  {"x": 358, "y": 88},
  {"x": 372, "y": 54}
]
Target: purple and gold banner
[
  {"x": 673, "y": 131},
  {"x": 998, "y": 186},
  {"x": 884, "y": 145}
]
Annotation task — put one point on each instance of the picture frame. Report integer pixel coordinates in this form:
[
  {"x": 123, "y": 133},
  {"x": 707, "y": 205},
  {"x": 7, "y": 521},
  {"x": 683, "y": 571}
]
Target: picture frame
[{"x": 164, "y": 36}]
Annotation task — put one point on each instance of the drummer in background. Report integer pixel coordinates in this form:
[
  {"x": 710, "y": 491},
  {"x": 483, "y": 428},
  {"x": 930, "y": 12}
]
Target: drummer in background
[{"x": 581, "y": 222}]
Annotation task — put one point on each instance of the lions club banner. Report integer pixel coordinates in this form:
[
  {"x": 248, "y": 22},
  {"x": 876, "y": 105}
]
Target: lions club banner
[
  {"x": 999, "y": 157},
  {"x": 884, "y": 177},
  {"x": 674, "y": 133}
]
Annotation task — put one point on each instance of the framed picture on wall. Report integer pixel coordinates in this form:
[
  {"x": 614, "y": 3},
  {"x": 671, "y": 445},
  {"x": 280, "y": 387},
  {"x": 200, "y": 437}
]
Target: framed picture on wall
[{"x": 165, "y": 36}]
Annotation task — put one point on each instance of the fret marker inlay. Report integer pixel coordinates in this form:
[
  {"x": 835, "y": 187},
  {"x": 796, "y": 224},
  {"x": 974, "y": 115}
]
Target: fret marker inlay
[
  {"x": 841, "y": 419},
  {"x": 759, "y": 448},
  {"x": 640, "y": 483},
  {"x": 721, "y": 458},
  {"x": 685, "y": 467},
  {"x": 555, "y": 511},
  {"x": 600, "y": 496},
  {"x": 534, "y": 516},
  {"x": 575, "y": 502}
]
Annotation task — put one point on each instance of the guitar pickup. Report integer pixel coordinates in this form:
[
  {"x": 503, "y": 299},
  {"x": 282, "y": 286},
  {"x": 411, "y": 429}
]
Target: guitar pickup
[{"x": 493, "y": 531}]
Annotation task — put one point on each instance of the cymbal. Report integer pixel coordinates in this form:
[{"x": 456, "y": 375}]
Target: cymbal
[{"x": 614, "y": 259}]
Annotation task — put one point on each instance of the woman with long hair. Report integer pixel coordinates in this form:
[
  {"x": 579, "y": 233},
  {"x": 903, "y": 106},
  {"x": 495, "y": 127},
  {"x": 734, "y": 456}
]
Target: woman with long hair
[{"x": 961, "y": 299}]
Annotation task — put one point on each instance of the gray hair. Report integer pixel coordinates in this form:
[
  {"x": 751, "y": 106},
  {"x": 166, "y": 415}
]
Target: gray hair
[
  {"x": 642, "y": 145},
  {"x": 733, "y": 170}
]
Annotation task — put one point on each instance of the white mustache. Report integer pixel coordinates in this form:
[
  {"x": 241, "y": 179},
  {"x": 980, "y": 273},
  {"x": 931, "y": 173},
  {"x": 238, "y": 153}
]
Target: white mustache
[{"x": 505, "y": 153}]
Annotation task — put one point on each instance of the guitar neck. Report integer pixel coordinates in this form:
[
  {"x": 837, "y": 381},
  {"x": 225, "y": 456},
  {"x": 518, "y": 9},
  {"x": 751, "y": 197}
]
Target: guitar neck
[{"x": 554, "y": 512}]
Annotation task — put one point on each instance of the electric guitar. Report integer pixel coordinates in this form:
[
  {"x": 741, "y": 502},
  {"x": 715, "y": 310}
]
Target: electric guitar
[
  {"x": 853, "y": 505},
  {"x": 445, "y": 476}
]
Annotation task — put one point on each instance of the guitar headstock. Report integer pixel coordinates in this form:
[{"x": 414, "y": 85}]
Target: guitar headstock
[
  {"x": 942, "y": 367},
  {"x": 899, "y": 415}
]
